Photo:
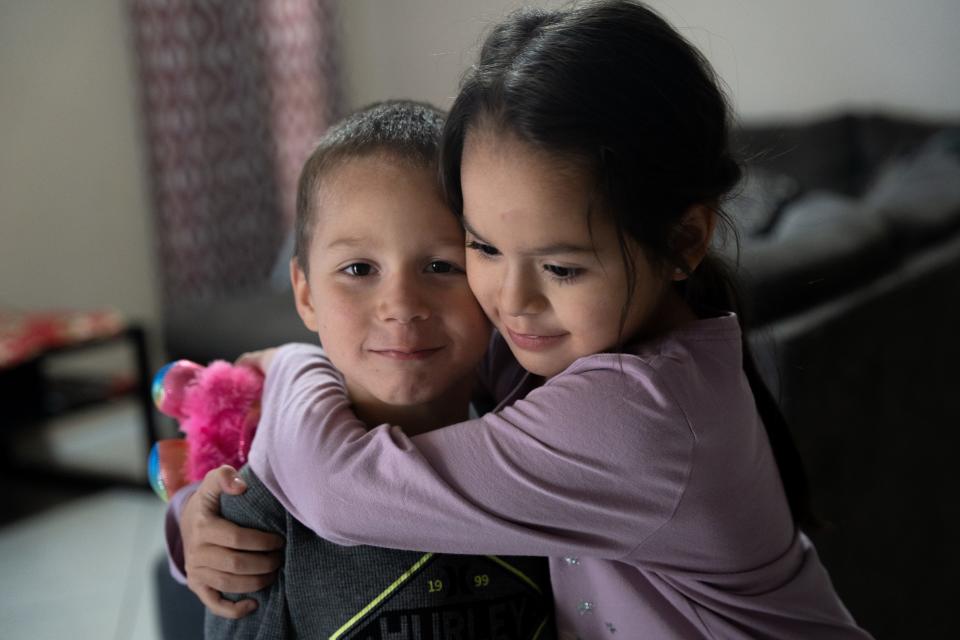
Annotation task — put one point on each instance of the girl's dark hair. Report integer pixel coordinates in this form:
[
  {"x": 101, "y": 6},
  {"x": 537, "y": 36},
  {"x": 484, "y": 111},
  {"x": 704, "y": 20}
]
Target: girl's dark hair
[
  {"x": 613, "y": 88},
  {"x": 409, "y": 131}
]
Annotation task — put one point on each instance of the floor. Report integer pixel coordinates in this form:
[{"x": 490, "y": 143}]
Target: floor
[{"x": 77, "y": 560}]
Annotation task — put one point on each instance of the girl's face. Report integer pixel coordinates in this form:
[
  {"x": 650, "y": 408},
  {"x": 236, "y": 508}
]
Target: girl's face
[
  {"x": 552, "y": 281},
  {"x": 386, "y": 291}
]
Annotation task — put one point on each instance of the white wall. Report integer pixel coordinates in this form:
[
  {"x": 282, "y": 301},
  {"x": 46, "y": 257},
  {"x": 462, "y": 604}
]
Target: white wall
[
  {"x": 413, "y": 48},
  {"x": 75, "y": 222},
  {"x": 779, "y": 57},
  {"x": 800, "y": 57}
]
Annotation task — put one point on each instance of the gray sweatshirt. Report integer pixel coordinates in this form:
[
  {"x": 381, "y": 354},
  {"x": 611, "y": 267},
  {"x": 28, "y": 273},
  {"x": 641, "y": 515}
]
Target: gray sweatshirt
[{"x": 326, "y": 590}]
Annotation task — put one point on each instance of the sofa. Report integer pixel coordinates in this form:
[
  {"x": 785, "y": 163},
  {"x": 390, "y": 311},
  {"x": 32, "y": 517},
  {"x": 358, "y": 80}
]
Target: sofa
[
  {"x": 848, "y": 249},
  {"x": 850, "y": 265}
]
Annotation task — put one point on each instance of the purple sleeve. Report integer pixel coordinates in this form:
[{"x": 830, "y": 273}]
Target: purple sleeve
[
  {"x": 546, "y": 476},
  {"x": 171, "y": 526}
]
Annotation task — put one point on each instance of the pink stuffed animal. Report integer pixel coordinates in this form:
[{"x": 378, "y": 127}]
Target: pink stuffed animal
[{"x": 218, "y": 408}]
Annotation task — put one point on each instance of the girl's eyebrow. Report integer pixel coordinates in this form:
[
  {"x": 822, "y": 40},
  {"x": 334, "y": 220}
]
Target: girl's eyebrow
[
  {"x": 469, "y": 229},
  {"x": 560, "y": 247},
  {"x": 546, "y": 250}
]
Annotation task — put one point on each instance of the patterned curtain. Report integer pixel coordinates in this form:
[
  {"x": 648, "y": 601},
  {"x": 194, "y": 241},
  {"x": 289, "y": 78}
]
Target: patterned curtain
[{"x": 234, "y": 94}]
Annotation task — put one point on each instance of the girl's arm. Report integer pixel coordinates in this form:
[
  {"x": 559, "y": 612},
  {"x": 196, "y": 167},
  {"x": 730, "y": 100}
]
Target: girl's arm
[{"x": 591, "y": 463}]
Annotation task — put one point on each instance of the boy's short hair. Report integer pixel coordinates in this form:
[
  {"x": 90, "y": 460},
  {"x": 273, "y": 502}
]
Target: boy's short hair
[{"x": 405, "y": 129}]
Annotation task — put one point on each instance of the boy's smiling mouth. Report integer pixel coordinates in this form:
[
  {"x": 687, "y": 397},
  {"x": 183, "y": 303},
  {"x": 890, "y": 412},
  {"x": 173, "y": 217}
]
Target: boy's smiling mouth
[{"x": 406, "y": 354}]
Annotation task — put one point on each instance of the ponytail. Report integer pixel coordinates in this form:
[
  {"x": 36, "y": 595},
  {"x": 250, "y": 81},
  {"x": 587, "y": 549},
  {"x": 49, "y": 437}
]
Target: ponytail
[{"x": 713, "y": 287}]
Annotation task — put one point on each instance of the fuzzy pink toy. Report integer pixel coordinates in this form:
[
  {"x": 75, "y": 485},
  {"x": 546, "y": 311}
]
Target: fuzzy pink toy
[{"x": 218, "y": 408}]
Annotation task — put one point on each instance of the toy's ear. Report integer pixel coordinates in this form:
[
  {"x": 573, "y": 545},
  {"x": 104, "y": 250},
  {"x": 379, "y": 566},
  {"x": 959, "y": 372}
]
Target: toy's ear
[
  {"x": 170, "y": 385},
  {"x": 301, "y": 294}
]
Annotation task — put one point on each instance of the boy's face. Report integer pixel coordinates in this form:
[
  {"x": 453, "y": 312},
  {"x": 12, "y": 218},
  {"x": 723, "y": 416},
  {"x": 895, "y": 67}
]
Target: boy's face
[{"x": 387, "y": 293}]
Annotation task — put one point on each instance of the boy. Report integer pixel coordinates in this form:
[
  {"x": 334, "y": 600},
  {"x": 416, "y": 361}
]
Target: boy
[{"x": 378, "y": 273}]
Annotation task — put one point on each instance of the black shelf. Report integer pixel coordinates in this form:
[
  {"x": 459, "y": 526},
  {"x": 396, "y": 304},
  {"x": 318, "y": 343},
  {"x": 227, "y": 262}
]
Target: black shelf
[
  {"x": 64, "y": 394},
  {"x": 31, "y": 397}
]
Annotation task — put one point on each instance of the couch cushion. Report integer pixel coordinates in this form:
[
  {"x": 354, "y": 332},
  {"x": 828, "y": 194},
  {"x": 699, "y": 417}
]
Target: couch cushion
[
  {"x": 823, "y": 244},
  {"x": 879, "y": 139},
  {"x": 759, "y": 199},
  {"x": 824, "y": 212},
  {"x": 919, "y": 195}
]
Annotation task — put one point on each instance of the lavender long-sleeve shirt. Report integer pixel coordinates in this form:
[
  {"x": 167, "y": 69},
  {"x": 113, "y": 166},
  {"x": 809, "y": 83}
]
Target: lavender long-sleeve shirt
[{"x": 647, "y": 477}]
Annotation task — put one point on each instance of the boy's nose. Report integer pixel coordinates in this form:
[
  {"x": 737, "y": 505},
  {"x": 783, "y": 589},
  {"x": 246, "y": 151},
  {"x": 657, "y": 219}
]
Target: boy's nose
[{"x": 404, "y": 300}]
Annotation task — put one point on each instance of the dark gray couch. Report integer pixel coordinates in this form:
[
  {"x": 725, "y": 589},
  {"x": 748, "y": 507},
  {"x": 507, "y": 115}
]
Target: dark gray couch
[
  {"x": 852, "y": 271},
  {"x": 850, "y": 260}
]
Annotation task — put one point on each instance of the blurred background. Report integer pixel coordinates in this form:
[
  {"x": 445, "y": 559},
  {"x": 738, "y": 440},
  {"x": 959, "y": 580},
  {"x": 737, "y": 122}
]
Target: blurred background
[{"x": 146, "y": 192}]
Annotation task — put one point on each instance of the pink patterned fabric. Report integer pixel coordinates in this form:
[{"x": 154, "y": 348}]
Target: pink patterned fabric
[
  {"x": 24, "y": 336},
  {"x": 234, "y": 94}
]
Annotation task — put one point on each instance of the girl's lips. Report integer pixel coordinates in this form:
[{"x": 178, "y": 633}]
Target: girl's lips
[
  {"x": 406, "y": 354},
  {"x": 529, "y": 342}
]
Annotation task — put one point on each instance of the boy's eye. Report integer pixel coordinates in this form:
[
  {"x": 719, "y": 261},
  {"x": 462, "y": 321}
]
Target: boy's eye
[
  {"x": 357, "y": 269},
  {"x": 485, "y": 249},
  {"x": 439, "y": 266}
]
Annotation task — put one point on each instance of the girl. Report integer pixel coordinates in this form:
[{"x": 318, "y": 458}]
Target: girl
[{"x": 587, "y": 156}]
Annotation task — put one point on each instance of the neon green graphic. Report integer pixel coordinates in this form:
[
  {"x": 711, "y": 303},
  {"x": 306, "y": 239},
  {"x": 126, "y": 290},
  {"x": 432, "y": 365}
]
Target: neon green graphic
[{"x": 386, "y": 592}]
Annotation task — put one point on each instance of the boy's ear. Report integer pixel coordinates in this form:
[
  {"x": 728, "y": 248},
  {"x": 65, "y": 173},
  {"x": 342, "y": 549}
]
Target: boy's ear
[
  {"x": 301, "y": 296},
  {"x": 692, "y": 238}
]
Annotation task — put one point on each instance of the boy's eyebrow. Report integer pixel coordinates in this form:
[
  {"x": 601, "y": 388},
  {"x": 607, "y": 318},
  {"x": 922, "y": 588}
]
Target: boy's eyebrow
[
  {"x": 546, "y": 250},
  {"x": 349, "y": 241}
]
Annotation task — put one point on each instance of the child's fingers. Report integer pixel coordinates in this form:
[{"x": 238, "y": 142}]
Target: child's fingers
[
  {"x": 223, "y": 479},
  {"x": 255, "y": 359},
  {"x": 225, "y": 582},
  {"x": 245, "y": 563},
  {"x": 259, "y": 360},
  {"x": 219, "y": 532},
  {"x": 248, "y": 359},
  {"x": 204, "y": 527},
  {"x": 220, "y": 606}
]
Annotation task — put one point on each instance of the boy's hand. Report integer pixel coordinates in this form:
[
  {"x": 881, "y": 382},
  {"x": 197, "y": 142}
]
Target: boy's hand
[
  {"x": 220, "y": 556},
  {"x": 259, "y": 360}
]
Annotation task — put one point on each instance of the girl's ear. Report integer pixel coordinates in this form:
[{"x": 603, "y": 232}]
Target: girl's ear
[
  {"x": 691, "y": 241},
  {"x": 301, "y": 296}
]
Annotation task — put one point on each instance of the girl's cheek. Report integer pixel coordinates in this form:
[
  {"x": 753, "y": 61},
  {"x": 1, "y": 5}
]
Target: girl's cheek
[
  {"x": 479, "y": 281},
  {"x": 488, "y": 300}
]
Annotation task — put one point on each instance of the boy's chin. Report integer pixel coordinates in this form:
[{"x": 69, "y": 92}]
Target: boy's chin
[{"x": 409, "y": 396}]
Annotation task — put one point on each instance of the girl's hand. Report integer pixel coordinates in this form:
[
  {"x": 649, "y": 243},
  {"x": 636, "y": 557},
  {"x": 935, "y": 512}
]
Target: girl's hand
[
  {"x": 220, "y": 556},
  {"x": 259, "y": 360}
]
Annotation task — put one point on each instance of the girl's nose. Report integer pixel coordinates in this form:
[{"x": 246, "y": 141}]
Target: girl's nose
[
  {"x": 403, "y": 300},
  {"x": 520, "y": 295}
]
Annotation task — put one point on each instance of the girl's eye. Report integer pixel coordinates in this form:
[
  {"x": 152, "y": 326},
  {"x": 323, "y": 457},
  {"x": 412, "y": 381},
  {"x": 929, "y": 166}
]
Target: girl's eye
[
  {"x": 357, "y": 269},
  {"x": 485, "y": 249},
  {"x": 562, "y": 273},
  {"x": 439, "y": 266}
]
